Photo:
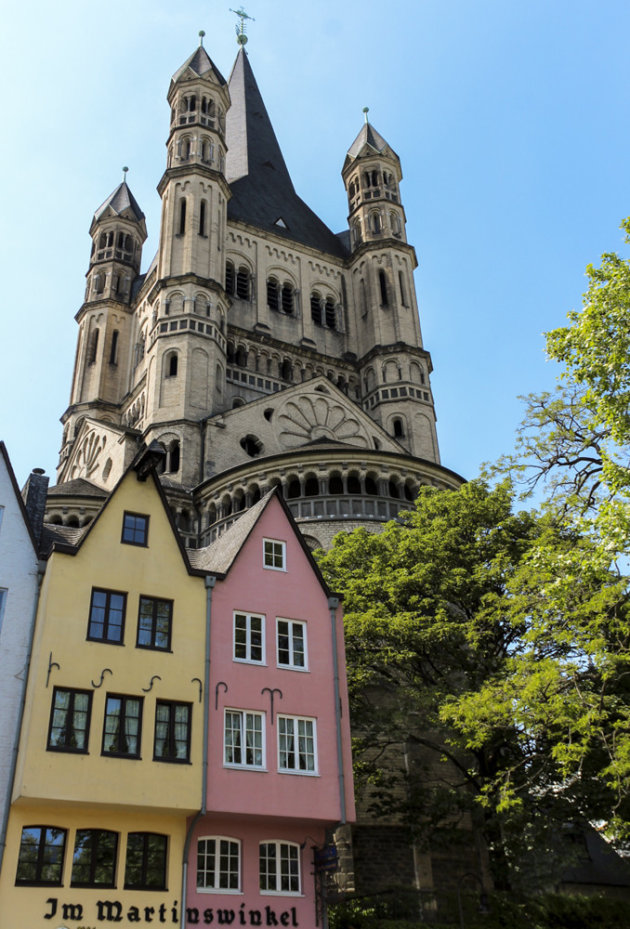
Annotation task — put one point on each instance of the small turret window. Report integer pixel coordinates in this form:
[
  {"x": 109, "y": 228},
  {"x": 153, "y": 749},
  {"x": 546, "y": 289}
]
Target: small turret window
[
  {"x": 124, "y": 246},
  {"x": 330, "y": 313},
  {"x": 396, "y": 226},
  {"x": 207, "y": 151},
  {"x": 382, "y": 283},
  {"x": 99, "y": 283},
  {"x": 170, "y": 366},
  {"x": 182, "y": 216},
  {"x": 288, "y": 299},
  {"x": 316, "y": 308},
  {"x": 273, "y": 296},
  {"x": 376, "y": 223},
  {"x": 229, "y": 278},
  {"x": 186, "y": 149},
  {"x": 403, "y": 289},
  {"x": 113, "y": 351},
  {"x": 105, "y": 245},
  {"x": 202, "y": 218},
  {"x": 398, "y": 428},
  {"x": 242, "y": 283},
  {"x": 208, "y": 112},
  {"x": 93, "y": 347},
  {"x": 188, "y": 110}
]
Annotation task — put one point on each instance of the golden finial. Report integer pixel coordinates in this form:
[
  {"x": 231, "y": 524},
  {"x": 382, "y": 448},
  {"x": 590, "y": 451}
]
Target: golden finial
[{"x": 241, "y": 38}]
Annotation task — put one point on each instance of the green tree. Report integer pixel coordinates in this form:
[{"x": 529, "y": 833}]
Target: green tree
[{"x": 458, "y": 656}]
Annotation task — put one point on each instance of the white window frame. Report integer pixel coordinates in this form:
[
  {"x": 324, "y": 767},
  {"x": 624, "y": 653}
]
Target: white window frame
[
  {"x": 216, "y": 887},
  {"x": 292, "y": 625},
  {"x": 248, "y": 638},
  {"x": 278, "y": 891},
  {"x": 281, "y": 551},
  {"x": 291, "y": 726},
  {"x": 243, "y": 730}
]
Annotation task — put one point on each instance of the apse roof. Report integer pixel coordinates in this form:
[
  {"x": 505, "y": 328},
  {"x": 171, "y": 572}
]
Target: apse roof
[{"x": 262, "y": 191}]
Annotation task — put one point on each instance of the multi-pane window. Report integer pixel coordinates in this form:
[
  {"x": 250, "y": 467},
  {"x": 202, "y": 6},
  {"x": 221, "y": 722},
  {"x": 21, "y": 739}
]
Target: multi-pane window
[
  {"x": 249, "y": 642},
  {"x": 135, "y": 529},
  {"x": 243, "y": 741},
  {"x": 41, "y": 855},
  {"x": 121, "y": 732},
  {"x": 154, "y": 623},
  {"x": 279, "y": 868},
  {"x": 218, "y": 864},
  {"x": 291, "y": 642},
  {"x": 145, "y": 868},
  {"x": 107, "y": 616},
  {"x": 296, "y": 744},
  {"x": 172, "y": 731},
  {"x": 274, "y": 554},
  {"x": 69, "y": 720},
  {"x": 94, "y": 860}
]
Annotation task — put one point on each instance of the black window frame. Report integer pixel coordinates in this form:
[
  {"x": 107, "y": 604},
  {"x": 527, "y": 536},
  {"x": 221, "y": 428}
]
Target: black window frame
[
  {"x": 69, "y": 713},
  {"x": 153, "y": 631},
  {"x": 133, "y": 529},
  {"x": 143, "y": 884},
  {"x": 37, "y": 881},
  {"x": 118, "y": 752},
  {"x": 97, "y": 854},
  {"x": 171, "y": 740},
  {"x": 106, "y": 637}
]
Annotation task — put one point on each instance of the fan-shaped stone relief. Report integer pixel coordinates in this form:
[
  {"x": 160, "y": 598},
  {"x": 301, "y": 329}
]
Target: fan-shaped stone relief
[
  {"x": 87, "y": 458},
  {"x": 308, "y": 417}
]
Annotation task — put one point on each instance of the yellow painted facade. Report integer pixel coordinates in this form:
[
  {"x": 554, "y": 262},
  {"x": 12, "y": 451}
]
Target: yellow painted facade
[{"x": 95, "y": 789}]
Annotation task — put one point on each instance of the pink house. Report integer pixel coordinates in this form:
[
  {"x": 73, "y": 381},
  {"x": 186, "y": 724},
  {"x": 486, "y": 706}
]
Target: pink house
[{"x": 278, "y": 776}]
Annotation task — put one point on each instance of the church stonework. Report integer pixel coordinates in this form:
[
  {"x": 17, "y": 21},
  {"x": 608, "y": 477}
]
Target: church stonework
[{"x": 259, "y": 348}]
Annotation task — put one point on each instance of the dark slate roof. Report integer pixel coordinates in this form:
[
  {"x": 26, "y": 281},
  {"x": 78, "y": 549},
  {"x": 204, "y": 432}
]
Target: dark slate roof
[
  {"x": 369, "y": 136},
  {"x": 218, "y": 557},
  {"x": 199, "y": 62},
  {"x": 68, "y": 535},
  {"x": 262, "y": 191},
  {"x": 78, "y": 487},
  {"x": 601, "y": 864},
  {"x": 121, "y": 201}
]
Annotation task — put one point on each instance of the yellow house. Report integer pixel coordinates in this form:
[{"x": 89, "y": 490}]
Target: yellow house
[{"x": 110, "y": 760}]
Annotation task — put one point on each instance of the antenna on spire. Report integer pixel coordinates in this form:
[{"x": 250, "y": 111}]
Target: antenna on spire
[
  {"x": 125, "y": 169},
  {"x": 366, "y": 110},
  {"x": 201, "y": 35},
  {"x": 241, "y": 29}
]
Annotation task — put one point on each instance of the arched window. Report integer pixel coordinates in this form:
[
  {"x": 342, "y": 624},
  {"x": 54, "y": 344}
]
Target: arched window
[
  {"x": 207, "y": 112},
  {"x": 316, "y": 308},
  {"x": 354, "y": 484},
  {"x": 171, "y": 365},
  {"x": 218, "y": 382},
  {"x": 273, "y": 295},
  {"x": 286, "y": 370},
  {"x": 207, "y": 151},
  {"x": 382, "y": 283},
  {"x": 182, "y": 216},
  {"x": 293, "y": 488},
  {"x": 173, "y": 456},
  {"x": 229, "y": 278},
  {"x": 335, "y": 484},
  {"x": 242, "y": 283},
  {"x": 403, "y": 289},
  {"x": 113, "y": 351},
  {"x": 356, "y": 232},
  {"x": 311, "y": 486},
  {"x": 376, "y": 223},
  {"x": 93, "y": 347},
  {"x": 252, "y": 445},
  {"x": 330, "y": 313},
  {"x": 287, "y": 299},
  {"x": 399, "y": 428},
  {"x": 240, "y": 357},
  {"x": 99, "y": 283},
  {"x": 363, "y": 298},
  {"x": 396, "y": 226},
  {"x": 202, "y": 217},
  {"x": 186, "y": 149}
]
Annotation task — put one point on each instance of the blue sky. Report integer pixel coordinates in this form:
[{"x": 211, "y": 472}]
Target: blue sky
[{"x": 511, "y": 121}]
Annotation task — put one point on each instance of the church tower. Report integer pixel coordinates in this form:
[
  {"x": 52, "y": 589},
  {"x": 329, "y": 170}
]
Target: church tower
[
  {"x": 394, "y": 368},
  {"x": 259, "y": 348},
  {"x": 118, "y": 231}
]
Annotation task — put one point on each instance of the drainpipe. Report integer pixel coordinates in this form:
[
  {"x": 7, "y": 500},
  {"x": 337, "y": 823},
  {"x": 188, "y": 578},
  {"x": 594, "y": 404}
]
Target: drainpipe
[
  {"x": 209, "y": 581},
  {"x": 41, "y": 567},
  {"x": 333, "y": 603}
]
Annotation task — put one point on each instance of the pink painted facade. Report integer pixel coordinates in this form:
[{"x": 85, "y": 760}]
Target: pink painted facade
[{"x": 276, "y": 781}]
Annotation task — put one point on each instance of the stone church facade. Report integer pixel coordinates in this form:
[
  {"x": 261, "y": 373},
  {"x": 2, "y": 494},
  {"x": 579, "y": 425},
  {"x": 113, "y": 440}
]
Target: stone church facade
[{"x": 259, "y": 348}]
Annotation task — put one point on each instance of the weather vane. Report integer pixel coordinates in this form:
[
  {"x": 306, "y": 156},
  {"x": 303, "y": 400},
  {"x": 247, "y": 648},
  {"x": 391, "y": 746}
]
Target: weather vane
[{"x": 241, "y": 38}]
